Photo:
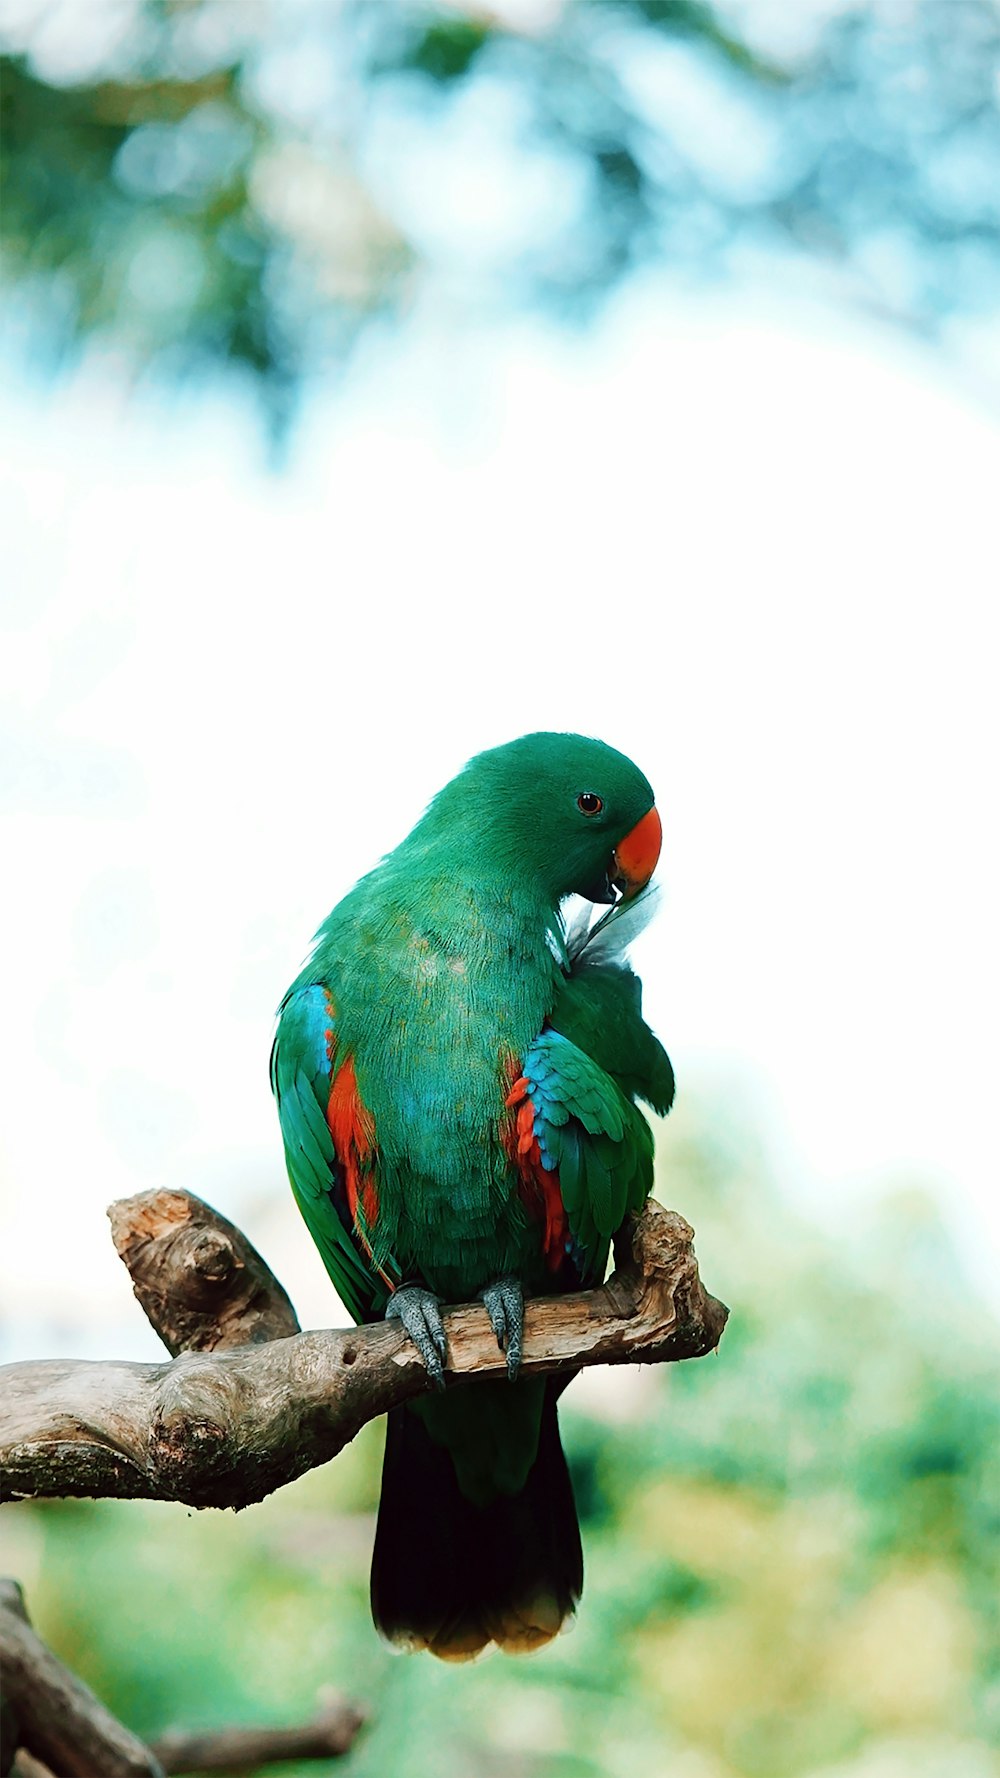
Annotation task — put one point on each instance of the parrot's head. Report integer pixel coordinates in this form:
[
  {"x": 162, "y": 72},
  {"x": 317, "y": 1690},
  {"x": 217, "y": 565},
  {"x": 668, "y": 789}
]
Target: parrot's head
[{"x": 565, "y": 812}]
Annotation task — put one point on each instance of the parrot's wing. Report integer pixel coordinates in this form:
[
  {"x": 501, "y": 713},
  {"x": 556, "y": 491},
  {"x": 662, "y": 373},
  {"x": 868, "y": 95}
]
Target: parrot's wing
[
  {"x": 599, "y": 1006},
  {"x": 329, "y": 1147},
  {"x": 590, "y": 1137}
]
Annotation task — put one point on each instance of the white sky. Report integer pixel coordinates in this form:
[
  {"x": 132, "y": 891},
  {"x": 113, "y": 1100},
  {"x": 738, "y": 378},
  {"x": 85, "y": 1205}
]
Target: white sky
[{"x": 754, "y": 547}]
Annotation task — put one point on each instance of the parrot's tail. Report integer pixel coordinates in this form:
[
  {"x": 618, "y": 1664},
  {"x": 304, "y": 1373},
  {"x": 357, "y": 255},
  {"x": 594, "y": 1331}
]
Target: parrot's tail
[{"x": 452, "y": 1576}]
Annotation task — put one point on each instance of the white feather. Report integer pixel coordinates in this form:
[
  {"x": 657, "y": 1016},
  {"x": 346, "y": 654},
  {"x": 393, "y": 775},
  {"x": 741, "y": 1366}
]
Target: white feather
[{"x": 607, "y": 940}]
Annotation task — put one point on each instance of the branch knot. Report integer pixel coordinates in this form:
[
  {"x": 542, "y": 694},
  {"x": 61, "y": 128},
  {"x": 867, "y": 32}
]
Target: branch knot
[{"x": 250, "y": 1403}]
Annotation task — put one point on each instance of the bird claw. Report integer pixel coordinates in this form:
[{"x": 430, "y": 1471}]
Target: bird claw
[
  {"x": 420, "y": 1313},
  {"x": 504, "y": 1302}
]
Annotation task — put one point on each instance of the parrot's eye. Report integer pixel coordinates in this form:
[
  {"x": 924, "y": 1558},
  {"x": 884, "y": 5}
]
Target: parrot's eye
[{"x": 588, "y": 803}]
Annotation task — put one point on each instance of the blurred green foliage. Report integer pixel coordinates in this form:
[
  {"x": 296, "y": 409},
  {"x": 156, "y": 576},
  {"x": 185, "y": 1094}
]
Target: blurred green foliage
[
  {"x": 792, "y": 1547},
  {"x": 197, "y": 185}
]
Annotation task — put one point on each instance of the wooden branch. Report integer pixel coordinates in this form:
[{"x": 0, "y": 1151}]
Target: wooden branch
[
  {"x": 56, "y": 1717},
  {"x": 60, "y": 1727},
  {"x": 201, "y": 1284},
  {"x": 227, "y": 1427},
  {"x": 330, "y": 1735}
]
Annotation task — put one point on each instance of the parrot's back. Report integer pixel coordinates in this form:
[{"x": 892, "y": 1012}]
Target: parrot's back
[{"x": 437, "y": 995}]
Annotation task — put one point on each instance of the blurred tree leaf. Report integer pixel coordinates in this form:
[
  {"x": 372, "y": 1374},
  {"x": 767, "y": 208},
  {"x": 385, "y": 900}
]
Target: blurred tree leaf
[
  {"x": 446, "y": 49},
  {"x": 126, "y": 225},
  {"x": 221, "y": 187}
]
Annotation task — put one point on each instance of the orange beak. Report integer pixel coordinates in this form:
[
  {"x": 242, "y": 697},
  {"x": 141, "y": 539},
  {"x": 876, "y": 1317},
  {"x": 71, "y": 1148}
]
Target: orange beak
[{"x": 635, "y": 857}]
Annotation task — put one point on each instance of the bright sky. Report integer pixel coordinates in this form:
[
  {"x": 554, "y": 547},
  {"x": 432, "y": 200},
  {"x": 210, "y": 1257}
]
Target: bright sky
[{"x": 753, "y": 546}]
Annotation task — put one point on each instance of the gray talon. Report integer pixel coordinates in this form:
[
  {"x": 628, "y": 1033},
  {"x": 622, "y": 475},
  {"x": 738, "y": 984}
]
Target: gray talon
[
  {"x": 420, "y": 1313},
  {"x": 504, "y": 1302}
]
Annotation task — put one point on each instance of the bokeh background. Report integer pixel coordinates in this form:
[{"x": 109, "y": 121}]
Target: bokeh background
[{"x": 383, "y": 380}]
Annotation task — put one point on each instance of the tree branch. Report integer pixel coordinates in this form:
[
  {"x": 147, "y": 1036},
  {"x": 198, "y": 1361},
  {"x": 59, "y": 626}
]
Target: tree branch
[
  {"x": 55, "y": 1716},
  {"x": 200, "y": 1283},
  {"x": 60, "y": 1727},
  {"x": 329, "y": 1735},
  {"x": 227, "y": 1427}
]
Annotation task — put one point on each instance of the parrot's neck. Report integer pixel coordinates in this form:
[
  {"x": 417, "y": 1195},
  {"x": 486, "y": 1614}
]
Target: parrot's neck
[
  {"x": 489, "y": 922},
  {"x": 444, "y": 929}
]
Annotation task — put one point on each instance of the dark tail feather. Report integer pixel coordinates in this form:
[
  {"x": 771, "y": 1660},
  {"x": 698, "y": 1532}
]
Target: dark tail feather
[{"x": 453, "y": 1577}]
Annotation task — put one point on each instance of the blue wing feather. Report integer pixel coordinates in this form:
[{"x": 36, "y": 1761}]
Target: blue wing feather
[
  {"x": 593, "y": 1137},
  {"x": 301, "y": 1075}
]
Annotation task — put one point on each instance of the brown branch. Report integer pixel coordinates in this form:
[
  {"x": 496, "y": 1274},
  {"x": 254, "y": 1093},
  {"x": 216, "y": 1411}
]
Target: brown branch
[
  {"x": 225, "y": 1428},
  {"x": 330, "y": 1735},
  {"x": 200, "y": 1283},
  {"x": 60, "y": 1727},
  {"x": 56, "y": 1717}
]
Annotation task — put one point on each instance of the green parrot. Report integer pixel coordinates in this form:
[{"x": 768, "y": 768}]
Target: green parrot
[{"x": 456, "y": 1071}]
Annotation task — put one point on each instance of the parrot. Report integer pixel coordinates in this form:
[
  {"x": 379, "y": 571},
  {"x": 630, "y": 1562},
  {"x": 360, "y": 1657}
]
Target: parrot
[{"x": 457, "y": 1069}]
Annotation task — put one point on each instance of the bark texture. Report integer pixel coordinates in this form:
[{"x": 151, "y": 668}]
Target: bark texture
[
  {"x": 60, "y": 1729},
  {"x": 200, "y": 1283},
  {"x": 53, "y": 1714},
  {"x": 249, "y": 1404}
]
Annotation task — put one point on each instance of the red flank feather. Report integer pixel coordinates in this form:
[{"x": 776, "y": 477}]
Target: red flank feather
[
  {"x": 353, "y": 1134},
  {"x": 540, "y": 1189}
]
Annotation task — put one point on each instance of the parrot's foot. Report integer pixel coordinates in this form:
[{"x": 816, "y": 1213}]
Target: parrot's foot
[
  {"x": 420, "y": 1313},
  {"x": 505, "y": 1307}
]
